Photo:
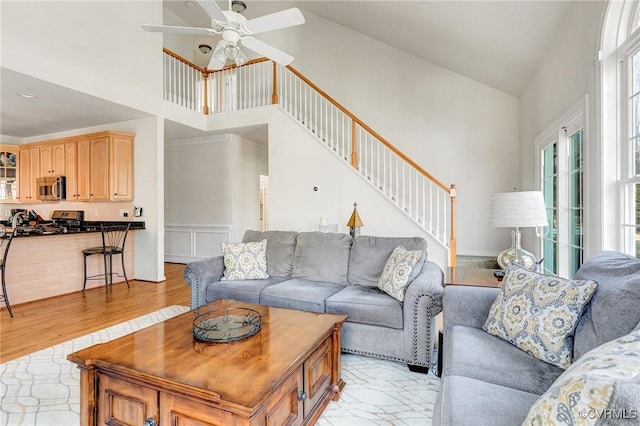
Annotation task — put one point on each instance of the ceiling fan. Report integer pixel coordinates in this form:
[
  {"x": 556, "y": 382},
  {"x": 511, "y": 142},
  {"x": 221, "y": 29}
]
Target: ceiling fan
[{"x": 236, "y": 28}]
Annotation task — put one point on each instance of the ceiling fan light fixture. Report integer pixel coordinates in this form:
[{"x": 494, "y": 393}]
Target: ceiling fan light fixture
[
  {"x": 238, "y": 6},
  {"x": 219, "y": 53},
  {"x": 231, "y": 51}
]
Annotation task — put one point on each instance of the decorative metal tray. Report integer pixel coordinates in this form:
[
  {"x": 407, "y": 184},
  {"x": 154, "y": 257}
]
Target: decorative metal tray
[{"x": 226, "y": 325}]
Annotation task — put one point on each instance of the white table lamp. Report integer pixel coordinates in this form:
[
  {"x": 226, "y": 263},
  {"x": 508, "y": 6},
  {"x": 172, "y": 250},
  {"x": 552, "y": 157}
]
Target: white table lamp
[{"x": 518, "y": 209}]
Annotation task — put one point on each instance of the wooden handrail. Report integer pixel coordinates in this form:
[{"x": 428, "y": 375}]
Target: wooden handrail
[
  {"x": 369, "y": 129},
  {"x": 183, "y": 60}
]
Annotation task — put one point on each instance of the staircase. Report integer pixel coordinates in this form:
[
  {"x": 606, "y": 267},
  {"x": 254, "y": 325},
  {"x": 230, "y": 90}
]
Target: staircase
[{"x": 421, "y": 197}]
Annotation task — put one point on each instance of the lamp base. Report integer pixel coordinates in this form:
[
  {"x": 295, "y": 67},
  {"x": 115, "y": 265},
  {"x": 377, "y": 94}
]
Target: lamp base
[{"x": 516, "y": 254}]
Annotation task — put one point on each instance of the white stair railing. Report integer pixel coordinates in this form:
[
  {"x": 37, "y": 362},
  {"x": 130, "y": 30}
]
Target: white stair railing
[{"x": 420, "y": 196}]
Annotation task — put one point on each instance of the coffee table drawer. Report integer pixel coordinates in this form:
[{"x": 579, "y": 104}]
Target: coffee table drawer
[
  {"x": 317, "y": 375},
  {"x": 125, "y": 403},
  {"x": 184, "y": 412},
  {"x": 286, "y": 405}
]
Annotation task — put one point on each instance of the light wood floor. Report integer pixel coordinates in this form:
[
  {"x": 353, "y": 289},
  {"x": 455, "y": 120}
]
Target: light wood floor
[{"x": 43, "y": 323}]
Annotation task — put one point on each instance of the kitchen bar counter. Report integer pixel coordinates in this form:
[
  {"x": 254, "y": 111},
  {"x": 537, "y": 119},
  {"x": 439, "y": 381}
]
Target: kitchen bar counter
[
  {"x": 39, "y": 268},
  {"x": 87, "y": 227}
]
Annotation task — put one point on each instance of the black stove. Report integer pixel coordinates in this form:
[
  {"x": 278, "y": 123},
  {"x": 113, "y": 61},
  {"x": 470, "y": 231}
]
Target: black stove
[{"x": 69, "y": 219}]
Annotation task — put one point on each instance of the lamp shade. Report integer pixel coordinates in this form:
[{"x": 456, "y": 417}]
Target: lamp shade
[{"x": 518, "y": 209}]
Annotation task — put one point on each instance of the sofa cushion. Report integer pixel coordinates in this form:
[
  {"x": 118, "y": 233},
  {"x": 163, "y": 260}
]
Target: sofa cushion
[
  {"x": 245, "y": 261},
  {"x": 613, "y": 311},
  {"x": 322, "y": 256},
  {"x": 240, "y": 290},
  {"x": 301, "y": 294},
  {"x": 280, "y": 248},
  {"x": 397, "y": 270},
  {"x": 369, "y": 255},
  {"x": 366, "y": 305},
  {"x": 463, "y": 401},
  {"x": 539, "y": 313},
  {"x": 471, "y": 352},
  {"x": 587, "y": 387}
]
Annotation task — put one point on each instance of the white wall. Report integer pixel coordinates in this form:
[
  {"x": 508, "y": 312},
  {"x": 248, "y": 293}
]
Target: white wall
[
  {"x": 96, "y": 47},
  {"x": 212, "y": 188},
  {"x": 566, "y": 73},
  {"x": 298, "y": 162}
]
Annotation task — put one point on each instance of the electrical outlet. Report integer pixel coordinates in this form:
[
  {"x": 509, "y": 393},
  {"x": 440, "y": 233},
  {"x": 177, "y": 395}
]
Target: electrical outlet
[
  {"x": 137, "y": 211},
  {"x": 124, "y": 212}
]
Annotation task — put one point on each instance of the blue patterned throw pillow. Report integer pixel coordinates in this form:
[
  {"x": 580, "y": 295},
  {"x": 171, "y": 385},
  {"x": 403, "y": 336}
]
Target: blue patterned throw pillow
[
  {"x": 539, "y": 313},
  {"x": 245, "y": 261},
  {"x": 601, "y": 387},
  {"x": 396, "y": 272}
]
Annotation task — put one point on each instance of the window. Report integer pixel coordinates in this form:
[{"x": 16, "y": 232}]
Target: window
[
  {"x": 630, "y": 152},
  {"x": 561, "y": 172}
]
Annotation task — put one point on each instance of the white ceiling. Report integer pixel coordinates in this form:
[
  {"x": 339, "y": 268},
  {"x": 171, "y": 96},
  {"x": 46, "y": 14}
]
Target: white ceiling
[
  {"x": 498, "y": 43},
  {"x": 53, "y": 109}
]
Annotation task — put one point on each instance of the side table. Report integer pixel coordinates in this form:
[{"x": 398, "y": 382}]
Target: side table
[{"x": 467, "y": 276}]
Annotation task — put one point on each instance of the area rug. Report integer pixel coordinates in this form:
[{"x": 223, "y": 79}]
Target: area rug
[{"x": 42, "y": 389}]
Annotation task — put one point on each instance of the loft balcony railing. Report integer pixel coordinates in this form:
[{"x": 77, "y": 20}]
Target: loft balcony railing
[{"x": 424, "y": 199}]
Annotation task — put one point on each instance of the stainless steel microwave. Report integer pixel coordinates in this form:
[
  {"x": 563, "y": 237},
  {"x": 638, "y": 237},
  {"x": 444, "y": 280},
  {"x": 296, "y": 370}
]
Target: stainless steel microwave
[{"x": 52, "y": 188}]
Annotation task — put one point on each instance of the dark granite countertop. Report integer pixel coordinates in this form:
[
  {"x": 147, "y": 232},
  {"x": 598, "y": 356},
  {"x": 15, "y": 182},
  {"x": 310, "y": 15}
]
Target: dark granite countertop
[{"x": 87, "y": 227}]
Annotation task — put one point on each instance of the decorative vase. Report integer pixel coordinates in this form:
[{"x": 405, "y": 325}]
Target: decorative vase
[{"x": 516, "y": 254}]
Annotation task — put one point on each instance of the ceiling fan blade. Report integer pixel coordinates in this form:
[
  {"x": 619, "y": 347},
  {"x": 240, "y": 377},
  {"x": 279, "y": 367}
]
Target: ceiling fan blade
[
  {"x": 267, "y": 50},
  {"x": 215, "y": 64},
  {"x": 177, "y": 30},
  {"x": 274, "y": 21},
  {"x": 213, "y": 10}
]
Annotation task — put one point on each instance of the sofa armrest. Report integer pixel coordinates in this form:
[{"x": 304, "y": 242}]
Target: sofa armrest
[
  {"x": 467, "y": 305},
  {"x": 199, "y": 274},
  {"x": 422, "y": 302}
]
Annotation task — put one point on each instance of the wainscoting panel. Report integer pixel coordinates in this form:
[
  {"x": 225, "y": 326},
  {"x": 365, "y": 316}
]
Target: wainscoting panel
[{"x": 187, "y": 243}]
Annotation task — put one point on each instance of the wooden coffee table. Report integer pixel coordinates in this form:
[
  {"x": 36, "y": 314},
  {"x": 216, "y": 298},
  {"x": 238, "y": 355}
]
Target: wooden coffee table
[{"x": 285, "y": 374}]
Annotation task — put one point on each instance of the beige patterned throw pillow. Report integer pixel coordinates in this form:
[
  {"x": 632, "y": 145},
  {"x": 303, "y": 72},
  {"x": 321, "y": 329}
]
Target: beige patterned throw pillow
[
  {"x": 395, "y": 275},
  {"x": 582, "y": 395},
  {"x": 245, "y": 261},
  {"x": 539, "y": 313}
]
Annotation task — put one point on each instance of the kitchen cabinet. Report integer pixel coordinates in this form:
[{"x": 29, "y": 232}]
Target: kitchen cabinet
[
  {"x": 99, "y": 169},
  {"x": 52, "y": 159},
  {"x": 98, "y": 166},
  {"x": 8, "y": 172},
  {"x": 28, "y": 172},
  {"x": 110, "y": 166},
  {"x": 71, "y": 169},
  {"x": 121, "y": 158}
]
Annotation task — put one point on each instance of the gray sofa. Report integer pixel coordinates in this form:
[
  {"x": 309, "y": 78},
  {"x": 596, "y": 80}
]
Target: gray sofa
[
  {"x": 330, "y": 272},
  {"x": 488, "y": 381}
]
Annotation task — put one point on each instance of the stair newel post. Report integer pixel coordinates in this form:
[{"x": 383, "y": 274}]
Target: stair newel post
[
  {"x": 274, "y": 95},
  {"x": 452, "y": 237},
  {"x": 354, "y": 148},
  {"x": 205, "y": 108}
]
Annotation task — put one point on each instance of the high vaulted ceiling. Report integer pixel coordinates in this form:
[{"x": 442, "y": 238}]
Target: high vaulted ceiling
[{"x": 498, "y": 43}]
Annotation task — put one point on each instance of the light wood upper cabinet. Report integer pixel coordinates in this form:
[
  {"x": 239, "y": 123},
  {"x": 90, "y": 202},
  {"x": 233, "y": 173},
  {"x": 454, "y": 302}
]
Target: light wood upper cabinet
[
  {"x": 98, "y": 166},
  {"x": 83, "y": 170},
  {"x": 29, "y": 171},
  {"x": 121, "y": 159},
  {"x": 52, "y": 159},
  {"x": 71, "y": 169},
  {"x": 99, "y": 171}
]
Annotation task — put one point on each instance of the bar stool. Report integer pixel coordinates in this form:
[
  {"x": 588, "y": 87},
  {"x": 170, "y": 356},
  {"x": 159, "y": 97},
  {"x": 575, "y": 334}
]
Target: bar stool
[
  {"x": 5, "y": 243},
  {"x": 114, "y": 238}
]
